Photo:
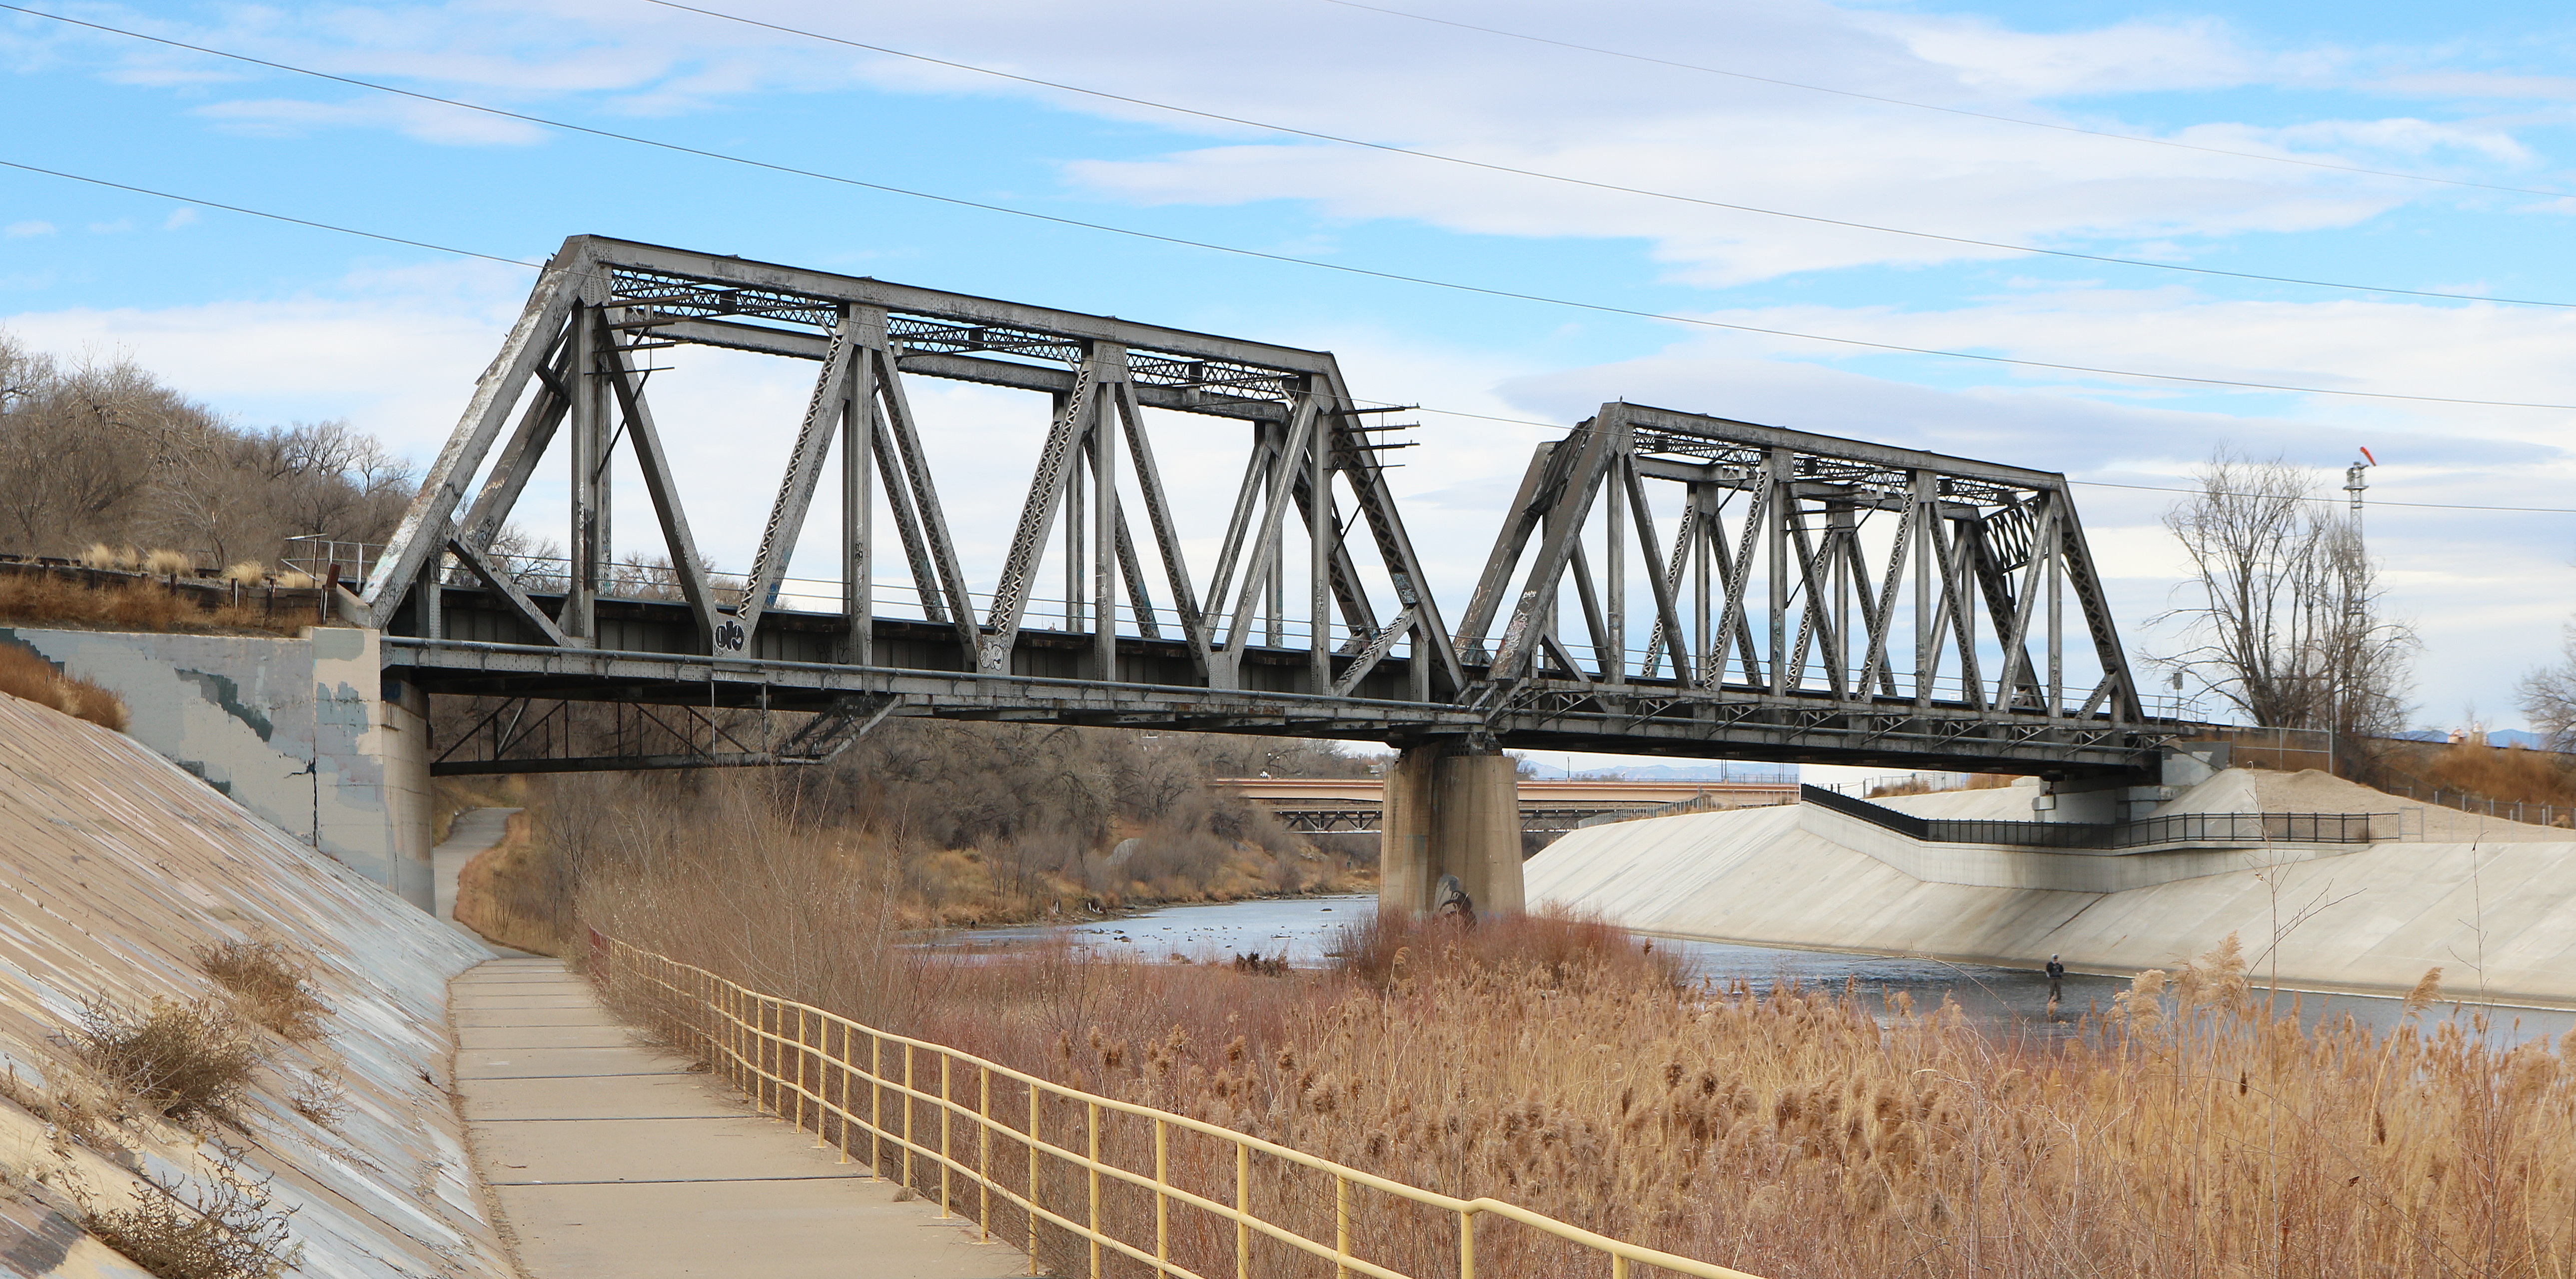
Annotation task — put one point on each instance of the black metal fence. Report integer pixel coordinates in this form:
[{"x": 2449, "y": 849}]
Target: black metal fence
[{"x": 2178, "y": 828}]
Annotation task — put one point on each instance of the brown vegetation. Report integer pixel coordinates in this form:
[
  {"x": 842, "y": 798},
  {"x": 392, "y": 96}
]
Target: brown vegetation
[
  {"x": 104, "y": 453},
  {"x": 2509, "y": 773},
  {"x": 940, "y": 824},
  {"x": 185, "y": 1057},
  {"x": 26, "y": 675},
  {"x": 1935, "y": 783},
  {"x": 30, "y": 598},
  {"x": 1557, "y": 1064},
  {"x": 271, "y": 982},
  {"x": 225, "y": 1228}
]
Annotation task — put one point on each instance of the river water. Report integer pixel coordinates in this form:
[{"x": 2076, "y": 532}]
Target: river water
[{"x": 1303, "y": 929}]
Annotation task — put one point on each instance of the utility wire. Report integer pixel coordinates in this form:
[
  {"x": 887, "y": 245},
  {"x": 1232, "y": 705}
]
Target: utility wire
[
  {"x": 2140, "y": 263},
  {"x": 2099, "y": 484},
  {"x": 1601, "y": 308},
  {"x": 1451, "y": 285},
  {"x": 1613, "y": 187},
  {"x": 1928, "y": 106},
  {"x": 1459, "y": 413},
  {"x": 273, "y": 217}
]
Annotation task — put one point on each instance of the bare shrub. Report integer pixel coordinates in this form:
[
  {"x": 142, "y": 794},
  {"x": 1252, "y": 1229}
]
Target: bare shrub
[
  {"x": 321, "y": 1097},
  {"x": 76, "y": 1108},
  {"x": 227, "y": 1227},
  {"x": 27, "y": 675},
  {"x": 184, "y": 1057},
  {"x": 271, "y": 981}
]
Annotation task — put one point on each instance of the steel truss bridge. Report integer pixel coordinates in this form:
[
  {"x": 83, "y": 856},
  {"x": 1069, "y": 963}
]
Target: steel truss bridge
[{"x": 1662, "y": 583}]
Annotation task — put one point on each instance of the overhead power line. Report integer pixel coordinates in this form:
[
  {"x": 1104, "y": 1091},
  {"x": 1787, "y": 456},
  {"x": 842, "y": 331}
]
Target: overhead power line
[
  {"x": 273, "y": 217},
  {"x": 1602, "y": 308},
  {"x": 1235, "y": 250},
  {"x": 2104, "y": 259},
  {"x": 1481, "y": 417},
  {"x": 2099, "y": 484},
  {"x": 1960, "y": 111},
  {"x": 1612, "y": 187}
]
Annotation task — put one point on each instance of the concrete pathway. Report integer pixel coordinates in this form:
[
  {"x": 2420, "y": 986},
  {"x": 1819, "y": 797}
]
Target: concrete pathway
[
  {"x": 605, "y": 1158},
  {"x": 474, "y": 830}
]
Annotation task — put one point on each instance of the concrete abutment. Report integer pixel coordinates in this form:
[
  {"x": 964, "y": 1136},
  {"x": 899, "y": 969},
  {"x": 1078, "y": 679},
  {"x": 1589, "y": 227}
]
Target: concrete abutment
[{"x": 1452, "y": 807}]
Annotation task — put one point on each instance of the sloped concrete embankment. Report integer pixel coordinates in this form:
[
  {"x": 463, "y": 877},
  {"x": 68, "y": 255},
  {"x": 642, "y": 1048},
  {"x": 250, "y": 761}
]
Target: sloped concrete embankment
[
  {"x": 114, "y": 866},
  {"x": 2493, "y": 903}
]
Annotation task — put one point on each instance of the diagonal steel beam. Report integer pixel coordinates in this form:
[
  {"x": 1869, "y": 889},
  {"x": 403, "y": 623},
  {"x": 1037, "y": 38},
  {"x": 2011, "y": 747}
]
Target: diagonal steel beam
[
  {"x": 1037, "y": 516},
  {"x": 661, "y": 485},
  {"x": 796, "y": 488},
  {"x": 416, "y": 537}
]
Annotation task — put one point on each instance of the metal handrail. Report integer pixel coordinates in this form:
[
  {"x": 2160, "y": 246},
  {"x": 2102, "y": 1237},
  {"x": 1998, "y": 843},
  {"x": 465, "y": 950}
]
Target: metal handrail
[
  {"x": 2172, "y": 828},
  {"x": 749, "y": 1043}
]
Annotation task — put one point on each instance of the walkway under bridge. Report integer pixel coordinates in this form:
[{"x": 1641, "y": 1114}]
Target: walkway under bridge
[{"x": 1662, "y": 583}]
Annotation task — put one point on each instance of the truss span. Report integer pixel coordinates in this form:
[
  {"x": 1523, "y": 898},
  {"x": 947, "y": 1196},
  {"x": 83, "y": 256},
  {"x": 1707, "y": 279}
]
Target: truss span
[{"x": 1817, "y": 600}]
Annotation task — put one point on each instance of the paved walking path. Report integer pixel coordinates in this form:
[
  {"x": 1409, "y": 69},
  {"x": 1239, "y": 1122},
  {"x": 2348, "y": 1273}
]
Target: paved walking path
[
  {"x": 608, "y": 1159},
  {"x": 474, "y": 830}
]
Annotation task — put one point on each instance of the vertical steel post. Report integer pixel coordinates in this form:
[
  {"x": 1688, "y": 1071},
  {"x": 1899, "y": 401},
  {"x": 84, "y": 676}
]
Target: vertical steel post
[
  {"x": 2056, "y": 611},
  {"x": 1242, "y": 1211},
  {"x": 1784, "y": 508},
  {"x": 1033, "y": 1179},
  {"x": 1711, "y": 659},
  {"x": 1927, "y": 508},
  {"x": 1341, "y": 1226},
  {"x": 1105, "y": 517},
  {"x": 907, "y": 1113},
  {"x": 859, "y": 500},
  {"x": 1616, "y": 544},
  {"x": 842, "y": 1060},
  {"x": 1162, "y": 1201},
  {"x": 1092, "y": 1124},
  {"x": 984, "y": 1155},
  {"x": 1073, "y": 530},
  {"x": 944, "y": 1158},
  {"x": 589, "y": 458},
  {"x": 1319, "y": 552},
  {"x": 876, "y": 1106}
]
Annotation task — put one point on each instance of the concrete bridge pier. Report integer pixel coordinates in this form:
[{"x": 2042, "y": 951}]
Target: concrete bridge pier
[{"x": 1452, "y": 807}]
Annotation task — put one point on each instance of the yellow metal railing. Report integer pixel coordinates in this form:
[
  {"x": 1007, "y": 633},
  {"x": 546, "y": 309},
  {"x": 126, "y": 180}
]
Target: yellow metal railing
[{"x": 815, "y": 1069}]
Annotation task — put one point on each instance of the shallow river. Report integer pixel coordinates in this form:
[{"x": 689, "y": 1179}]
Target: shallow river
[{"x": 1303, "y": 929}]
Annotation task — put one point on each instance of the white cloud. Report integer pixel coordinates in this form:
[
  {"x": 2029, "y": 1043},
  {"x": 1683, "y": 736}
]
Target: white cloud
[
  {"x": 21, "y": 230},
  {"x": 179, "y": 218},
  {"x": 424, "y": 121},
  {"x": 118, "y": 227}
]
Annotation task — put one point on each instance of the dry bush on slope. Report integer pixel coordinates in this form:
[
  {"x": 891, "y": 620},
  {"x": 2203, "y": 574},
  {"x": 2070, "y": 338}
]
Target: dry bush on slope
[
  {"x": 226, "y": 1229},
  {"x": 26, "y": 675},
  {"x": 272, "y": 982},
  {"x": 185, "y": 1057}
]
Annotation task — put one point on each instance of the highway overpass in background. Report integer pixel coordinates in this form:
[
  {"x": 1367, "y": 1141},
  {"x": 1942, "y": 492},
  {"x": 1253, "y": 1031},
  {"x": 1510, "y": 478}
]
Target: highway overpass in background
[{"x": 1354, "y": 805}]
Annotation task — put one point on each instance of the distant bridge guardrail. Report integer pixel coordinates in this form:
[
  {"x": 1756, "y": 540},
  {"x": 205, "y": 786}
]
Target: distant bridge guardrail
[
  {"x": 2176, "y": 828},
  {"x": 819, "y": 1070}
]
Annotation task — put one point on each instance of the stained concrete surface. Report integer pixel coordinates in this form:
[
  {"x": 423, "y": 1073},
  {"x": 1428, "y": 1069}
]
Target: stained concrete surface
[{"x": 609, "y": 1158}]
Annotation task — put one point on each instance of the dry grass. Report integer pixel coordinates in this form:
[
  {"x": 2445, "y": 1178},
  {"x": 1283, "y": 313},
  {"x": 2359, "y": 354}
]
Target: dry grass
[
  {"x": 46, "y": 599},
  {"x": 271, "y": 982},
  {"x": 451, "y": 796},
  {"x": 2509, "y": 773},
  {"x": 225, "y": 1228},
  {"x": 509, "y": 893},
  {"x": 25, "y": 674},
  {"x": 1934, "y": 783},
  {"x": 1557, "y": 1064},
  {"x": 185, "y": 1057}
]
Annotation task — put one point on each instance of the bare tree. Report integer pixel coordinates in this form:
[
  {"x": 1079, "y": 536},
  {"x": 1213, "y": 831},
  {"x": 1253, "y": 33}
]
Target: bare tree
[
  {"x": 2288, "y": 626},
  {"x": 2548, "y": 696}
]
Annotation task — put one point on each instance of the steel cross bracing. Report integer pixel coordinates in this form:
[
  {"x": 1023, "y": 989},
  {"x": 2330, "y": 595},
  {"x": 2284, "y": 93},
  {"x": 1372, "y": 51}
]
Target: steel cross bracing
[
  {"x": 1823, "y": 595},
  {"x": 1311, "y": 617}
]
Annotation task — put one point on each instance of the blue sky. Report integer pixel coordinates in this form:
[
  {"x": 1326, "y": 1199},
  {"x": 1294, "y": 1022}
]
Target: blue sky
[{"x": 273, "y": 323}]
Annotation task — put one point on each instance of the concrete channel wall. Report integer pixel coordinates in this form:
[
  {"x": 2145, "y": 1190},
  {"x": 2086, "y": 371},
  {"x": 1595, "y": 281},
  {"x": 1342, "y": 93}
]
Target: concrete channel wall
[
  {"x": 2495, "y": 909},
  {"x": 118, "y": 868},
  {"x": 307, "y": 732}
]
